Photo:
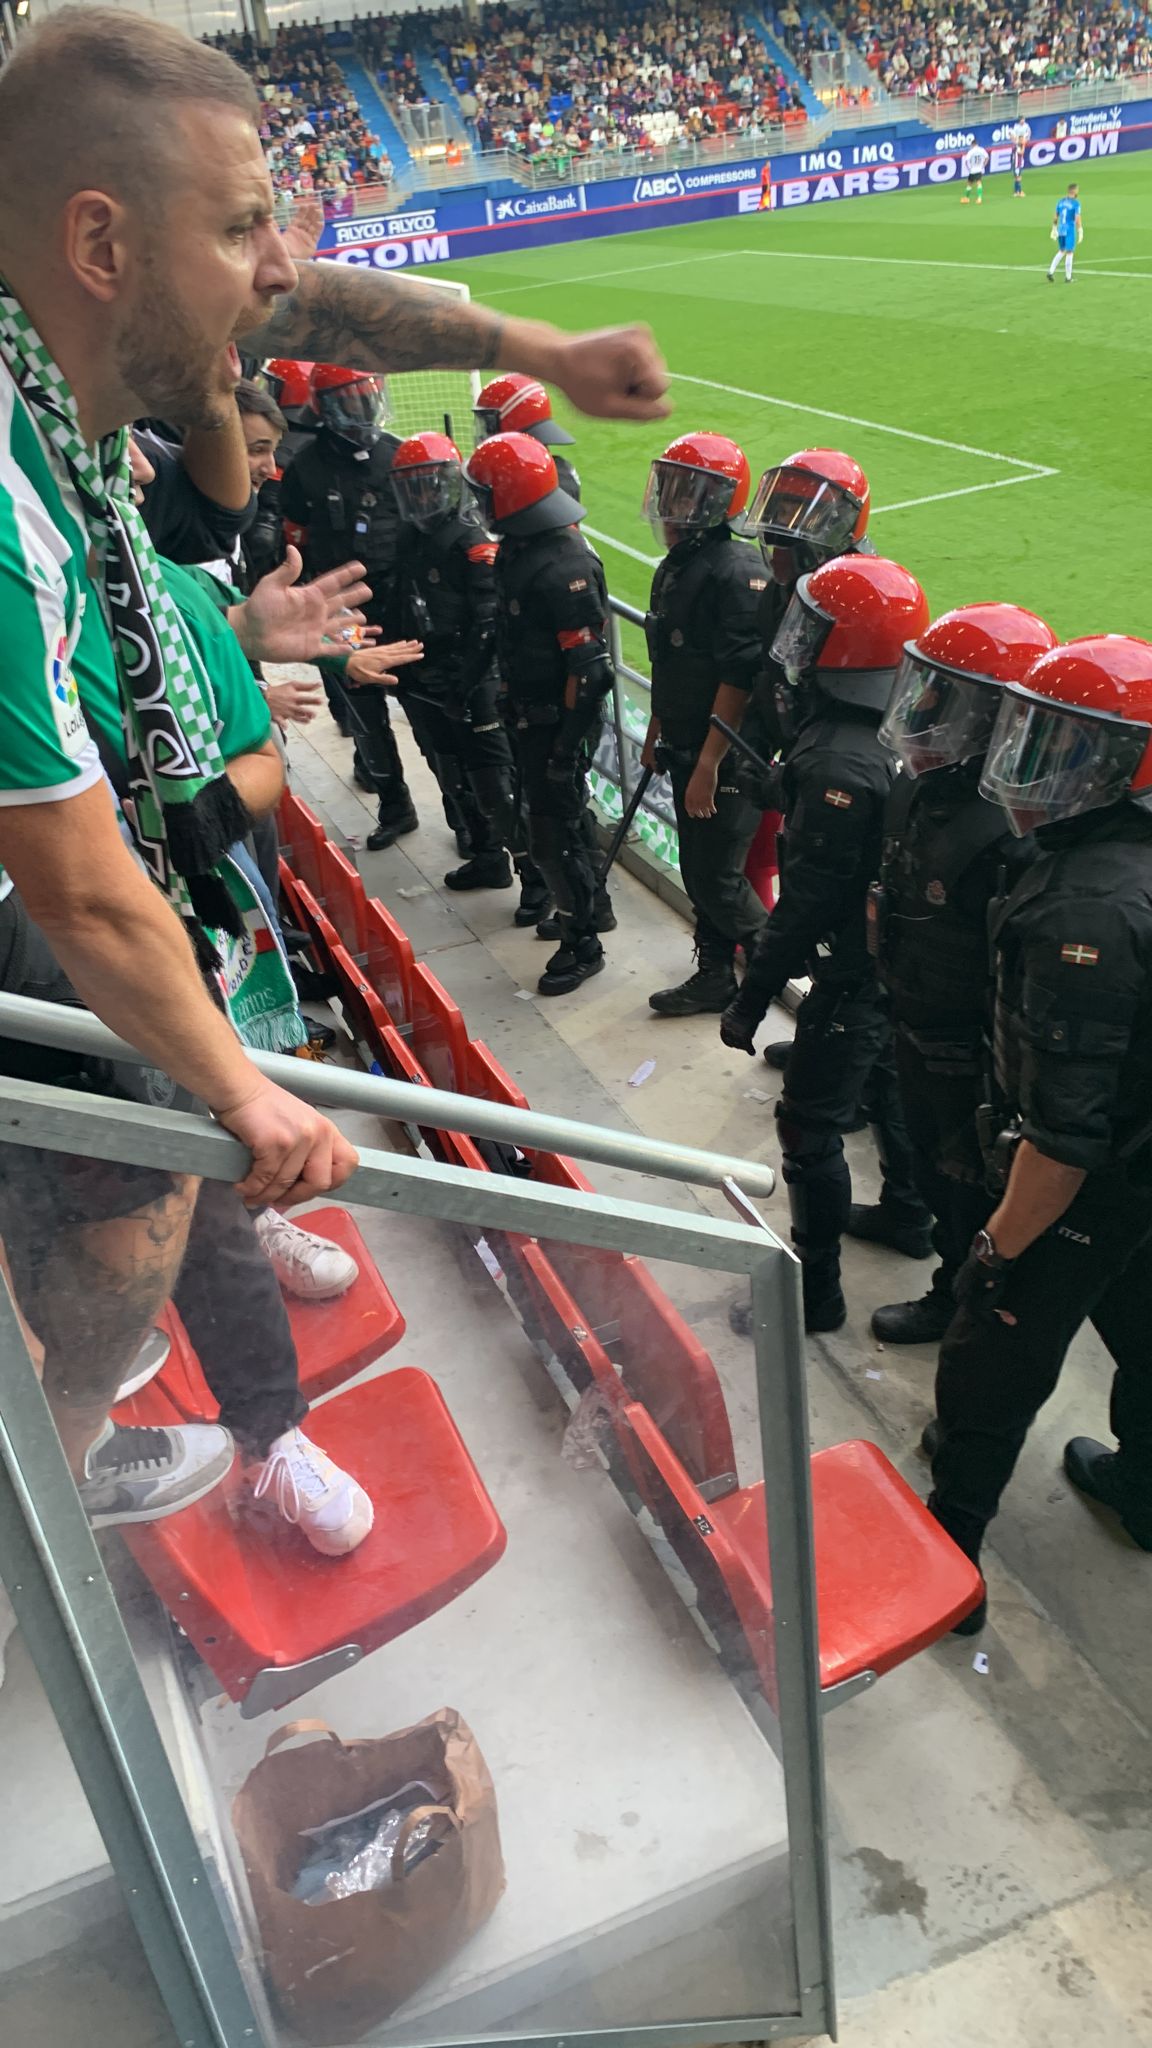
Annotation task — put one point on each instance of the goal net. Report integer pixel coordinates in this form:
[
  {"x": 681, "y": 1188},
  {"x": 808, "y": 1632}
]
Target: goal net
[{"x": 422, "y": 399}]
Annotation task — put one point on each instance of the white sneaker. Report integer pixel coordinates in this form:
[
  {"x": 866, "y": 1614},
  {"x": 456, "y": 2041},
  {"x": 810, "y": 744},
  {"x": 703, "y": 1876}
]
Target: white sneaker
[
  {"x": 151, "y": 1358},
  {"x": 326, "y": 1504},
  {"x": 311, "y": 1267}
]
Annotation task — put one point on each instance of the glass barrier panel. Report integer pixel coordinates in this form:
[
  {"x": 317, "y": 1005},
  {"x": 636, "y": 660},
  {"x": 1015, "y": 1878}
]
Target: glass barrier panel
[{"x": 461, "y": 1637}]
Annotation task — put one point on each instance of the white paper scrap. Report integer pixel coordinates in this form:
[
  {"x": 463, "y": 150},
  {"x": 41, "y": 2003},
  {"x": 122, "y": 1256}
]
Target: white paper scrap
[
  {"x": 489, "y": 1258},
  {"x": 642, "y": 1074},
  {"x": 980, "y": 1663}
]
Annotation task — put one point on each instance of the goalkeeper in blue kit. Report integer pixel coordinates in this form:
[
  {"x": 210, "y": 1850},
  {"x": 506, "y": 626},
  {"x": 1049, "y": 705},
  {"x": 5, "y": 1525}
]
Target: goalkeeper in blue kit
[{"x": 1067, "y": 232}]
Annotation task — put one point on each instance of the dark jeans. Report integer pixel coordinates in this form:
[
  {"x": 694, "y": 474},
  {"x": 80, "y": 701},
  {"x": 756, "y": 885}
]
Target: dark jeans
[
  {"x": 226, "y": 1291},
  {"x": 841, "y": 1063},
  {"x": 713, "y": 852},
  {"x": 994, "y": 1377},
  {"x": 940, "y": 1104}
]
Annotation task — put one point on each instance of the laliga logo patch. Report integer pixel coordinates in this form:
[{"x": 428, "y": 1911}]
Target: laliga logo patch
[{"x": 65, "y": 699}]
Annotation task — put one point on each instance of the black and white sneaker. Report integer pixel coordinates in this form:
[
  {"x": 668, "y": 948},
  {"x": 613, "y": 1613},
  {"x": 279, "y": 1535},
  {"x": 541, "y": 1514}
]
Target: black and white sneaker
[{"x": 141, "y": 1475}]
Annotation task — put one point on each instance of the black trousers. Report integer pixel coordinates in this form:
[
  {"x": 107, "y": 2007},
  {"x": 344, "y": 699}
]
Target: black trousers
[
  {"x": 939, "y": 1101},
  {"x": 366, "y": 714},
  {"x": 712, "y": 856},
  {"x": 841, "y": 1064},
  {"x": 226, "y": 1292},
  {"x": 994, "y": 1376},
  {"x": 471, "y": 759},
  {"x": 555, "y": 795}
]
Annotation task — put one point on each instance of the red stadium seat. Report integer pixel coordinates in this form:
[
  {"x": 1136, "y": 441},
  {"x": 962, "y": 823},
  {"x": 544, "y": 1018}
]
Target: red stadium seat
[
  {"x": 889, "y": 1580},
  {"x": 302, "y": 838},
  {"x": 439, "y": 1036},
  {"x": 485, "y": 1077},
  {"x": 269, "y": 1615},
  {"x": 344, "y": 899},
  {"x": 335, "y": 1340},
  {"x": 389, "y": 962},
  {"x": 322, "y": 933}
]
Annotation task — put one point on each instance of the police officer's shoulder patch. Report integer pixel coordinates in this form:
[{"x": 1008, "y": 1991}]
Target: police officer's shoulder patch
[
  {"x": 840, "y": 799},
  {"x": 483, "y": 551},
  {"x": 580, "y": 583},
  {"x": 757, "y": 583},
  {"x": 1080, "y": 956}
]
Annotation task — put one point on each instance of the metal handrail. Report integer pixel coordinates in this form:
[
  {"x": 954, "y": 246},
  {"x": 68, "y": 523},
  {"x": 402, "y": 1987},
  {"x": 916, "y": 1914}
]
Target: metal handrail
[{"x": 331, "y": 1087}]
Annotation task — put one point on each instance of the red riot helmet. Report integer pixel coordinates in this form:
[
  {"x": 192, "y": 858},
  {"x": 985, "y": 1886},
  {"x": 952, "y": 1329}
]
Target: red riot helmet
[
  {"x": 514, "y": 480},
  {"x": 815, "y": 505},
  {"x": 288, "y": 383},
  {"x": 515, "y": 404},
  {"x": 845, "y": 629},
  {"x": 428, "y": 479},
  {"x": 1075, "y": 735},
  {"x": 350, "y": 403},
  {"x": 947, "y": 690},
  {"x": 700, "y": 482}
]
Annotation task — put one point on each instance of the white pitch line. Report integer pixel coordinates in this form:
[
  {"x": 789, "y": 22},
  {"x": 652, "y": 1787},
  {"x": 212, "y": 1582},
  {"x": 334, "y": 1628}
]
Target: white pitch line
[
  {"x": 624, "y": 274},
  {"x": 848, "y": 419},
  {"x": 1000, "y": 483},
  {"x": 622, "y": 547},
  {"x": 920, "y": 262}
]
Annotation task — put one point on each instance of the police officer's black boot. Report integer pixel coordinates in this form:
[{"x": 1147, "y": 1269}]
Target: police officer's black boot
[
  {"x": 397, "y": 816},
  {"x": 1098, "y": 1473},
  {"x": 535, "y": 903},
  {"x": 917, "y": 1322},
  {"x": 580, "y": 957},
  {"x": 884, "y": 1223},
  {"x": 603, "y": 919},
  {"x": 709, "y": 990},
  {"x": 483, "y": 871}
]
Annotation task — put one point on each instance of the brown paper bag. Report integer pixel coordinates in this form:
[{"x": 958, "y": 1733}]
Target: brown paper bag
[{"x": 339, "y": 1968}]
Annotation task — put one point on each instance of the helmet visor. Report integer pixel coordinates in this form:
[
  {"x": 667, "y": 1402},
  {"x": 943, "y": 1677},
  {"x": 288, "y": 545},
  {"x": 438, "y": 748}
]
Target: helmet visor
[
  {"x": 428, "y": 492},
  {"x": 803, "y": 631},
  {"x": 692, "y": 500},
  {"x": 488, "y": 421},
  {"x": 1046, "y": 762},
  {"x": 937, "y": 718},
  {"x": 359, "y": 411},
  {"x": 795, "y": 504}
]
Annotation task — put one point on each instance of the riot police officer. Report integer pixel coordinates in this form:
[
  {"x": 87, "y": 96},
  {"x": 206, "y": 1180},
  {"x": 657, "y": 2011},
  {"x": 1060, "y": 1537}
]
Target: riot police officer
[
  {"x": 338, "y": 503},
  {"x": 556, "y": 666},
  {"x": 1070, "y": 1239},
  {"x": 516, "y": 404},
  {"x": 447, "y": 599},
  {"x": 705, "y": 650},
  {"x": 839, "y": 647},
  {"x": 948, "y": 856}
]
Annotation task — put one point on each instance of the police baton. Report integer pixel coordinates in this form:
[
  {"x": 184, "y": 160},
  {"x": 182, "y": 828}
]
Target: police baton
[
  {"x": 622, "y": 829},
  {"x": 742, "y": 747}
]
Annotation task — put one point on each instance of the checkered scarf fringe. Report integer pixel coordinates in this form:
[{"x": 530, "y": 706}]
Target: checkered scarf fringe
[{"x": 184, "y": 812}]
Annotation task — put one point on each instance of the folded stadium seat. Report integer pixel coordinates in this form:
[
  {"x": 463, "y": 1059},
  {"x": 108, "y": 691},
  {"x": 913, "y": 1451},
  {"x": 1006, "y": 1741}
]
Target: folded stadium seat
[
  {"x": 660, "y": 1359},
  {"x": 889, "y": 1580},
  {"x": 439, "y": 1035},
  {"x": 343, "y": 898},
  {"x": 268, "y": 1614},
  {"x": 302, "y": 840},
  {"x": 485, "y": 1077},
  {"x": 382, "y": 1044},
  {"x": 335, "y": 1340},
  {"x": 389, "y": 962},
  {"x": 315, "y": 921}
]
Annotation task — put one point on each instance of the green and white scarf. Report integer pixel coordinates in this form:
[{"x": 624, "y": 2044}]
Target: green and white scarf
[{"x": 181, "y": 809}]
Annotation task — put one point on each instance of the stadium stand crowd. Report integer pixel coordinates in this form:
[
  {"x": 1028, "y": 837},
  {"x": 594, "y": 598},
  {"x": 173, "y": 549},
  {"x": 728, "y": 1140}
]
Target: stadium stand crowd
[
  {"x": 970, "y": 49},
  {"x": 315, "y": 135}
]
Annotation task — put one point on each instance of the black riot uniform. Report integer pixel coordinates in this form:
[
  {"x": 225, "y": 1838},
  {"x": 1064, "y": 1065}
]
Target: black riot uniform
[
  {"x": 552, "y": 608},
  {"x": 702, "y": 633},
  {"x": 835, "y": 785},
  {"x": 1073, "y": 1057},
  {"x": 446, "y": 592},
  {"x": 948, "y": 859},
  {"x": 342, "y": 497}
]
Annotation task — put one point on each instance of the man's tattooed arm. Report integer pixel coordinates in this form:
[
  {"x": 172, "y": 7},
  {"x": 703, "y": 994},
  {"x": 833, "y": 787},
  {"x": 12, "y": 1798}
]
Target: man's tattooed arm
[
  {"x": 338, "y": 314},
  {"x": 366, "y": 320}
]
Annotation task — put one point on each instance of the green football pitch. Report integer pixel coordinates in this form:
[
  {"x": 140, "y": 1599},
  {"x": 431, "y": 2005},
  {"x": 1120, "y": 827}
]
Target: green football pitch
[{"x": 1003, "y": 421}]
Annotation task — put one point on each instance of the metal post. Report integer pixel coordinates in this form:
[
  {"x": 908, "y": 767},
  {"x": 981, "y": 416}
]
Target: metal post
[
  {"x": 618, "y": 709},
  {"x": 74, "y": 1633},
  {"x": 778, "y": 1335}
]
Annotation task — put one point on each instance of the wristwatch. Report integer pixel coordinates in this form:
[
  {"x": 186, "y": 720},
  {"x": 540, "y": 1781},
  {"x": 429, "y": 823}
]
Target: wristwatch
[{"x": 986, "y": 1254}]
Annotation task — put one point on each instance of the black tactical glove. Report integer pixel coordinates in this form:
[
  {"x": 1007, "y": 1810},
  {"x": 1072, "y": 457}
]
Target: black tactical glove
[
  {"x": 741, "y": 1021},
  {"x": 980, "y": 1284}
]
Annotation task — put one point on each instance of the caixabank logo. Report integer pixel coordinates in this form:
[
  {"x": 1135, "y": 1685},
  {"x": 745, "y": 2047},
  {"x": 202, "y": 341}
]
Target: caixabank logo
[{"x": 536, "y": 205}]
